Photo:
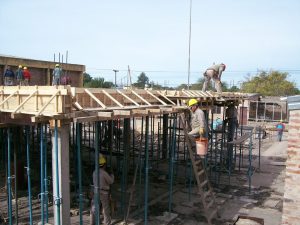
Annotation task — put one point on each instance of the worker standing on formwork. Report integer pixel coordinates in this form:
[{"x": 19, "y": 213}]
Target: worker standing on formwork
[
  {"x": 20, "y": 75},
  {"x": 214, "y": 72},
  {"x": 9, "y": 77},
  {"x": 105, "y": 180},
  {"x": 57, "y": 72},
  {"x": 27, "y": 76},
  {"x": 198, "y": 121}
]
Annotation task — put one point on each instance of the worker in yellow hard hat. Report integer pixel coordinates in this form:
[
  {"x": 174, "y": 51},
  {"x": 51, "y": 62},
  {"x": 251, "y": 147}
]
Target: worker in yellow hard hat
[
  {"x": 105, "y": 180},
  {"x": 57, "y": 73},
  {"x": 198, "y": 121}
]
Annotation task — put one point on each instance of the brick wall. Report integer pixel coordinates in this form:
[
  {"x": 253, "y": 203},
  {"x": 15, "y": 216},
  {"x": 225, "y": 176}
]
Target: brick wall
[{"x": 291, "y": 204}]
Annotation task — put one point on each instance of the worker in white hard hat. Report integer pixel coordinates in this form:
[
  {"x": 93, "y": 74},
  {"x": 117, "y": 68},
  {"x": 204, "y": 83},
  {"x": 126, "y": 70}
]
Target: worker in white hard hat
[
  {"x": 57, "y": 73},
  {"x": 105, "y": 180},
  {"x": 20, "y": 75},
  {"x": 198, "y": 121},
  {"x": 214, "y": 72}
]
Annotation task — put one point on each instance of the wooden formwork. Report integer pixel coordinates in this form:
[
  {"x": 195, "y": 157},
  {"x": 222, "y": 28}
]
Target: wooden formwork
[{"x": 91, "y": 104}]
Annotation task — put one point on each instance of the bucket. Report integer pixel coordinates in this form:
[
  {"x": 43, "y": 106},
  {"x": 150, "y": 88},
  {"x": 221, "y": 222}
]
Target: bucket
[{"x": 202, "y": 146}]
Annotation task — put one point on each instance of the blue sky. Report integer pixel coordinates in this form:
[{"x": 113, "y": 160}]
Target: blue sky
[{"x": 152, "y": 36}]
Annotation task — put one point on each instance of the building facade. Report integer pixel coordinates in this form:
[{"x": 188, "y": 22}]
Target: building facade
[{"x": 41, "y": 71}]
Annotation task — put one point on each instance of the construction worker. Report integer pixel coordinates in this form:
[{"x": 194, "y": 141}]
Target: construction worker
[
  {"x": 20, "y": 75},
  {"x": 280, "y": 128},
  {"x": 231, "y": 119},
  {"x": 27, "y": 76},
  {"x": 198, "y": 121},
  {"x": 57, "y": 72},
  {"x": 214, "y": 72},
  {"x": 105, "y": 180},
  {"x": 9, "y": 76}
]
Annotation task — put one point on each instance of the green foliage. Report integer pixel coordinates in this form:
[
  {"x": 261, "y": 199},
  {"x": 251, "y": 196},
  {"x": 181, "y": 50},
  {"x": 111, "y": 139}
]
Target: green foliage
[
  {"x": 86, "y": 78},
  {"x": 98, "y": 82},
  {"x": 142, "y": 81},
  {"x": 273, "y": 83}
]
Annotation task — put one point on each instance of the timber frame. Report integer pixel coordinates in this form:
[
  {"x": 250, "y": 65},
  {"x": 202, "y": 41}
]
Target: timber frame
[{"x": 33, "y": 104}]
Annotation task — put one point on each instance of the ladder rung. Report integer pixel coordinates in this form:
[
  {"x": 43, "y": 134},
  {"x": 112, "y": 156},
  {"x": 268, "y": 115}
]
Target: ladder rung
[
  {"x": 213, "y": 214},
  {"x": 210, "y": 203},
  {"x": 207, "y": 193},
  {"x": 203, "y": 184},
  {"x": 200, "y": 172}
]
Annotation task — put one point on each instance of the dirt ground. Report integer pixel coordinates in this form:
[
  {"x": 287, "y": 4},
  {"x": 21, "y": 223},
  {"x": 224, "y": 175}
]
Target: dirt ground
[{"x": 263, "y": 201}]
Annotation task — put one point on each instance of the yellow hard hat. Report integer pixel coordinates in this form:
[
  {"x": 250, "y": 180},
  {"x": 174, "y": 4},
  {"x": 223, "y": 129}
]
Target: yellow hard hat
[
  {"x": 25, "y": 68},
  {"x": 20, "y": 66},
  {"x": 57, "y": 65},
  {"x": 102, "y": 160},
  {"x": 192, "y": 102}
]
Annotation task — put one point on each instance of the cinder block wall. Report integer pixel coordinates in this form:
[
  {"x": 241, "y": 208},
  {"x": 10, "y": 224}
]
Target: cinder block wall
[{"x": 291, "y": 204}]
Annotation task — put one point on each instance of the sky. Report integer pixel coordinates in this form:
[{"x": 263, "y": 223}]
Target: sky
[{"x": 153, "y": 36}]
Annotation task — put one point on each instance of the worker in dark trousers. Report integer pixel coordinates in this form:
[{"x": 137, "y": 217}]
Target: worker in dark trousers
[
  {"x": 280, "y": 128},
  {"x": 105, "y": 180},
  {"x": 214, "y": 72},
  {"x": 231, "y": 119},
  {"x": 9, "y": 77},
  {"x": 198, "y": 121}
]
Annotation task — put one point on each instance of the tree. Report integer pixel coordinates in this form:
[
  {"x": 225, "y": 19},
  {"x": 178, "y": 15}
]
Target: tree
[
  {"x": 99, "y": 82},
  {"x": 273, "y": 83},
  {"x": 86, "y": 78},
  {"x": 142, "y": 81}
]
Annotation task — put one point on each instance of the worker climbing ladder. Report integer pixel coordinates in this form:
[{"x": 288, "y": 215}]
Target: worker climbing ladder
[{"x": 204, "y": 187}]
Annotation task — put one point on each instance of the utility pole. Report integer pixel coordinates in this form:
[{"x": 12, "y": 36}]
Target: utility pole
[
  {"x": 116, "y": 78},
  {"x": 190, "y": 34}
]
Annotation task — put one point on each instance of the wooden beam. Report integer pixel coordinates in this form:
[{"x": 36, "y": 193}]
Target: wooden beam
[
  {"x": 173, "y": 103},
  {"x": 122, "y": 113},
  {"x": 11, "y": 95},
  {"x": 112, "y": 98},
  {"x": 127, "y": 98},
  {"x": 162, "y": 102},
  {"x": 26, "y": 100},
  {"x": 47, "y": 103},
  {"x": 140, "y": 97},
  {"x": 94, "y": 97}
]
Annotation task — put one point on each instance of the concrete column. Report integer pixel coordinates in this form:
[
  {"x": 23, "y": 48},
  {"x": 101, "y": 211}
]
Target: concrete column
[
  {"x": 291, "y": 203},
  {"x": 63, "y": 172}
]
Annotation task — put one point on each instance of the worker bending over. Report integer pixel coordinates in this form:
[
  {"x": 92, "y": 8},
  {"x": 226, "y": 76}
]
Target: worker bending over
[
  {"x": 198, "y": 121},
  {"x": 214, "y": 72},
  {"x": 105, "y": 180}
]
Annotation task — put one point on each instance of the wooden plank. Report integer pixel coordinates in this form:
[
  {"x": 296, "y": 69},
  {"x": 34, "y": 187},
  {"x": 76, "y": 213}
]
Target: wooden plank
[
  {"x": 140, "y": 97},
  {"x": 127, "y": 98},
  {"x": 26, "y": 100},
  {"x": 241, "y": 139},
  {"x": 162, "y": 102},
  {"x": 140, "y": 112},
  {"x": 173, "y": 103},
  {"x": 11, "y": 95},
  {"x": 77, "y": 106},
  {"x": 44, "y": 107},
  {"x": 94, "y": 97},
  {"x": 121, "y": 113},
  {"x": 105, "y": 114},
  {"x": 112, "y": 98}
]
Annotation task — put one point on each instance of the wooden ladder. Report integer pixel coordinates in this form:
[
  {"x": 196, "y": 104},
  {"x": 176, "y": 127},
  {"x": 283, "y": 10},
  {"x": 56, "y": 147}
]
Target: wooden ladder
[{"x": 204, "y": 187}]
